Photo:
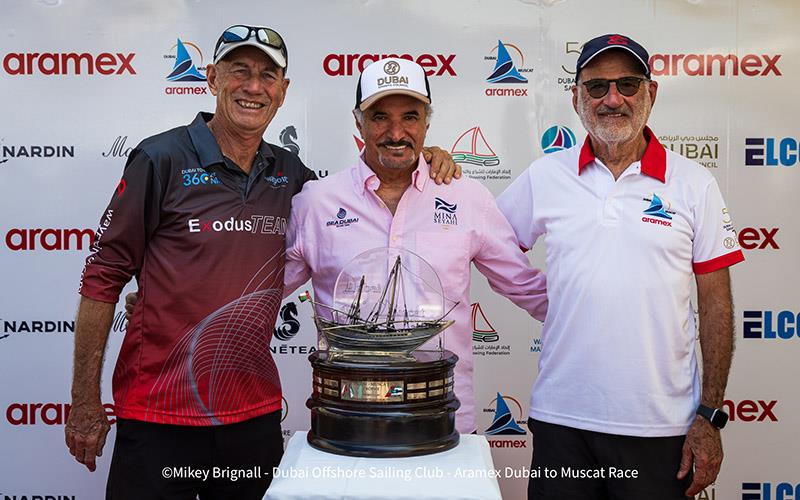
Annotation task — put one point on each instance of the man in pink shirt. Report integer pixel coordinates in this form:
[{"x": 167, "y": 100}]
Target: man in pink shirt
[{"x": 387, "y": 200}]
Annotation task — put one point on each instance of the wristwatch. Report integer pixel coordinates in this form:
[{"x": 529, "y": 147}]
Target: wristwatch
[{"x": 717, "y": 417}]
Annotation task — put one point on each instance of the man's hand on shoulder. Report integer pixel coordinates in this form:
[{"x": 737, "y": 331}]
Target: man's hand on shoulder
[{"x": 443, "y": 168}]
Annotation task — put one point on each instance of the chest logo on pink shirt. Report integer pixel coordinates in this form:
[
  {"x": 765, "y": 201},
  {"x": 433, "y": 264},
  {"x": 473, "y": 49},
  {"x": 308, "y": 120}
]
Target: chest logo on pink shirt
[
  {"x": 659, "y": 212},
  {"x": 341, "y": 219},
  {"x": 445, "y": 213}
]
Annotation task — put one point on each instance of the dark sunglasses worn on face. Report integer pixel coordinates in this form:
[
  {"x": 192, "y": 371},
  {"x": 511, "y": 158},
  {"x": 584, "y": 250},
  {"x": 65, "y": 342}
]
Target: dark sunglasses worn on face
[
  {"x": 627, "y": 86},
  {"x": 263, "y": 35}
]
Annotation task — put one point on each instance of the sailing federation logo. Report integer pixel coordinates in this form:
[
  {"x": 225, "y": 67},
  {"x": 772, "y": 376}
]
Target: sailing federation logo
[
  {"x": 471, "y": 147},
  {"x": 482, "y": 330},
  {"x": 444, "y": 212},
  {"x": 504, "y": 423},
  {"x": 557, "y": 138},
  {"x": 506, "y": 72}
]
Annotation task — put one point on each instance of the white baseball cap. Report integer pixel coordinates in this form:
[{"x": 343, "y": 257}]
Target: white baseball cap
[{"x": 392, "y": 75}]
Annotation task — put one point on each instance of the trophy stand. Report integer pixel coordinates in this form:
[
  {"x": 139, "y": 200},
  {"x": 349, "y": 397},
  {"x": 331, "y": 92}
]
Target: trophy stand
[{"x": 374, "y": 408}]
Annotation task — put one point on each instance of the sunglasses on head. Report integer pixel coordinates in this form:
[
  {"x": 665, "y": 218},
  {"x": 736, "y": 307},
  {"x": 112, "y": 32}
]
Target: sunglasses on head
[
  {"x": 627, "y": 86},
  {"x": 263, "y": 35}
]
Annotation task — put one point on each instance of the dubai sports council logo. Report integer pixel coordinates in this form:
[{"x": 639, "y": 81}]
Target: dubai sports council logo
[
  {"x": 504, "y": 423},
  {"x": 504, "y": 69},
  {"x": 471, "y": 147},
  {"x": 557, "y": 138},
  {"x": 184, "y": 69}
]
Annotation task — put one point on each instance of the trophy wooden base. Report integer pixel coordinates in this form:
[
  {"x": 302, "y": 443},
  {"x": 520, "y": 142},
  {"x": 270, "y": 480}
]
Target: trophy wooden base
[{"x": 373, "y": 407}]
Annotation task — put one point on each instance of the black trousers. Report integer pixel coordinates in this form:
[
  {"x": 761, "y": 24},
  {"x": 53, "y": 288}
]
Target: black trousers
[
  {"x": 155, "y": 461},
  {"x": 586, "y": 465}
]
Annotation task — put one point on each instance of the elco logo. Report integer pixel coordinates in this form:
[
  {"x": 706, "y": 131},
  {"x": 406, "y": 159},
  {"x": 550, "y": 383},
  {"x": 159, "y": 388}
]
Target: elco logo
[
  {"x": 45, "y": 413},
  {"x": 68, "y": 63},
  {"x": 766, "y": 491},
  {"x": 761, "y": 152},
  {"x": 748, "y": 410},
  {"x": 349, "y": 64},
  {"x": 750, "y": 239},
  {"x": 714, "y": 65},
  {"x": 760, "y": 325},
  {"x": 49, "y": 239}
]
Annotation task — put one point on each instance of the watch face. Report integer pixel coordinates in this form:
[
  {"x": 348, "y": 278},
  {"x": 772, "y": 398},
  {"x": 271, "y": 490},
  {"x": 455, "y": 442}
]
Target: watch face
[{"x": 719, "y": 419}]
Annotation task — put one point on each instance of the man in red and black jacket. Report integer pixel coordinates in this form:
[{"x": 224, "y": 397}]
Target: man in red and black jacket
[{"x": 199, "y": 218}]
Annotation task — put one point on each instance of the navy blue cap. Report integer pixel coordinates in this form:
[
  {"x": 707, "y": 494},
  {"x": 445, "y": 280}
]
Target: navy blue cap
[{"x": 608, "y": 42}]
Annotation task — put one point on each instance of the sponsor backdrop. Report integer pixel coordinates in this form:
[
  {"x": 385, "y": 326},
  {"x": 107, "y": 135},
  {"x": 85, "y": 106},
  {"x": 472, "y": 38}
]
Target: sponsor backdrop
[{"x": 83, "y": 82}]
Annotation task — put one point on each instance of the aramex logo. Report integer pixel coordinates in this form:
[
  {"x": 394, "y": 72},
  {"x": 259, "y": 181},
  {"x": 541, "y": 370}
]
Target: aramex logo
[
  {"x": 714, "y": 65},
  {"x": 49, "y": 239},
  {"x": 45, "y": 413},
  {"x": 68, "y": 63},
  {"x": 349, "y": 64}
]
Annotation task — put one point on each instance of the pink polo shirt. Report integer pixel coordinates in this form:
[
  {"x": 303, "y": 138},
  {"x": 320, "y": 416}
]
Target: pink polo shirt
[{"x": 478, "y": 234}]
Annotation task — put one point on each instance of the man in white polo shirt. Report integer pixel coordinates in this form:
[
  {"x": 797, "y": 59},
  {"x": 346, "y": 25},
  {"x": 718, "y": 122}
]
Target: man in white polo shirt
[{"x": 618, "y": 408}]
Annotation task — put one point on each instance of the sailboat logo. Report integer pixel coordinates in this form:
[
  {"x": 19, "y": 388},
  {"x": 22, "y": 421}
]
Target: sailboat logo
[
  {"x": 504, "y": 423},
  {"x": 184, "y": 69},
  {"x": 657, "y": 208},
  {"x": 471, "y": 147},
  {"x": 504, "y": 69},
  {"x": 557, "y": 138},
  {"x": 482, "y": 330}
]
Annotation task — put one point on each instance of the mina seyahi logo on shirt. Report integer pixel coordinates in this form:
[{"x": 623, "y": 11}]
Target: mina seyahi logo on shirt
[
  {"x": 445, "y": 213},
  {"x": 660, "y": 209},
  {"x": 341, "y": 219}
]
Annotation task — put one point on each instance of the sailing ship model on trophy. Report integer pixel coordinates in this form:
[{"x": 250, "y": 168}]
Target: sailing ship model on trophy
[
  {"x": 385, "y": 330},
  {"x": 375, "y": 392}
]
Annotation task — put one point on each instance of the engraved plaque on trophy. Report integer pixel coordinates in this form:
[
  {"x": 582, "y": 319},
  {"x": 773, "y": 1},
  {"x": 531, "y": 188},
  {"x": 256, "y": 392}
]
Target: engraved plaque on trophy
[{"x": 375, "y": 392}]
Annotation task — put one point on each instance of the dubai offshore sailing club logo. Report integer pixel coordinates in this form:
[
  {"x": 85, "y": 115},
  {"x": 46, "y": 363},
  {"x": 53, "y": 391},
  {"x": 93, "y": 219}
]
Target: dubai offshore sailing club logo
[
  {"x": 184, "y": 70},
  {"x": 504, "y": 424},
  {"x": 557, "y": 138},
  {"x": 506, "y": 71}
]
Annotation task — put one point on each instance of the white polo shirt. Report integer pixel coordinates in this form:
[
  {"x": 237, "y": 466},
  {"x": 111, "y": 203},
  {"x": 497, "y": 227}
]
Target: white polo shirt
[{"x": 618, "y": 344}]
